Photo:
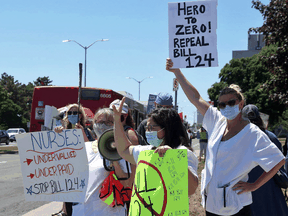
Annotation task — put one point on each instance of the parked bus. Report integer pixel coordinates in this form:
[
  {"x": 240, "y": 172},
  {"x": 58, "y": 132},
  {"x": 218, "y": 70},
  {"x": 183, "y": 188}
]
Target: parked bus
[{"x": 92, "y": 98}]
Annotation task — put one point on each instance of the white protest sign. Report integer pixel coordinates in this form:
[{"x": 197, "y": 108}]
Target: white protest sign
[
  {"x": 54, "y": 165},
  {"x": 50, "y": 112},
  {"x": 192, "y": 34}
]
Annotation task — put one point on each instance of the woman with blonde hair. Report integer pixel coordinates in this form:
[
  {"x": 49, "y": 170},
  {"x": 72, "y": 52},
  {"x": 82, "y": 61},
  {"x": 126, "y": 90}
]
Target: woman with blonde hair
[
  {"x": 98, "y": 200},
  {"x": 235, "y": 147},
  {"x": 75, "y": 118}
]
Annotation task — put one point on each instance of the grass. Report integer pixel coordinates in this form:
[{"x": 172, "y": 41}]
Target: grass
[{"x": 9, "y": 151}]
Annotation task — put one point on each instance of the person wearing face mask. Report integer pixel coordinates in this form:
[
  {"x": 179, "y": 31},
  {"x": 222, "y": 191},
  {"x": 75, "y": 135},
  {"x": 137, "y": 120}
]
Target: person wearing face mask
[
  {"x": 70, "y": 122},
  {"x": 235, "y": 147},
  {"x": 162, "y": 100},
  {"x": 97, "y": 202},
  {"x": 164, "y": 131},
  {"x": 72, "y": 115}
]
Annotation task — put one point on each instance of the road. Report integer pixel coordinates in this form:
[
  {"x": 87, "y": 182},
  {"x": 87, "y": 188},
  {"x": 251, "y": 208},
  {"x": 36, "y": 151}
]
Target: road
[{"x": 12, "y": 200}]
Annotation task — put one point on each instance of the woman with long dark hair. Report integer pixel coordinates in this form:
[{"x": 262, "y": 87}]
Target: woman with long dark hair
[{"x": 164, "y": 131}]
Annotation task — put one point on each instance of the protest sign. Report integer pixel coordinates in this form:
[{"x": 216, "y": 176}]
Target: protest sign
[
  {"x": 192, "y": 34},
  {"x": 54, "y": 165},
  {"x": 151, "y": 101},
  {"x": 161, "y": 184}
]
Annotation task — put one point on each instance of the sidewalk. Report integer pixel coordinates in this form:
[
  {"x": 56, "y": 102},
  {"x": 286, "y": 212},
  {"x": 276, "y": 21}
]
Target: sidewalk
[{"x": 46, "y": 210}]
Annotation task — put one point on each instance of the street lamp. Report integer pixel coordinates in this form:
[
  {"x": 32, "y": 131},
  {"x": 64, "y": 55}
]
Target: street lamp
[
  {"x": 85, "y": 47},
  {"x": 139, "y": 82}
]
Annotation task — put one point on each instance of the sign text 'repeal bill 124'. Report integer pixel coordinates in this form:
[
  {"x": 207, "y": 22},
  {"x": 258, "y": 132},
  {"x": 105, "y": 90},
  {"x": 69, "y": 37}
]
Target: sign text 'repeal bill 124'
[{"x": 192, "y": 34}]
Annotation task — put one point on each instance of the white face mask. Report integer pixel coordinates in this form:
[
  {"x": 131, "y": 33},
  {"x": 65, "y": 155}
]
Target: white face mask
[
  {"x": 230, "y": 112},
  {"x": 152, "y": 138},
  {"x": 99, "y": 128}
]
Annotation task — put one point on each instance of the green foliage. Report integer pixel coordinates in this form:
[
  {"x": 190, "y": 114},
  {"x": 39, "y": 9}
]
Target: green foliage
[
  {"x": 16, "y": 100},
  {"x": 275, "y": 29},
  {"x": 9, "y": 111},
  {"x": 250, "y": 74},
  {"x": 42, "y": 81}
]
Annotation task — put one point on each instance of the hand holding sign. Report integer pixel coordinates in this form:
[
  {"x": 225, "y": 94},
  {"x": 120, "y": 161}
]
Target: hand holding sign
[
  {"x": 161, "y": 150},
  {"x": 169, "y": 66}
]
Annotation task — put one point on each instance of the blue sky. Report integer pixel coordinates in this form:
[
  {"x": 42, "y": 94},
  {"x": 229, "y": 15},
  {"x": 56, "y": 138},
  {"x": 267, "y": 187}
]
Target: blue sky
[{"x": 31, "y": 34}]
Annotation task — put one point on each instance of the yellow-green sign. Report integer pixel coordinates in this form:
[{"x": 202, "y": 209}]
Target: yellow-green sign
[{"x": 161, "y": 184}]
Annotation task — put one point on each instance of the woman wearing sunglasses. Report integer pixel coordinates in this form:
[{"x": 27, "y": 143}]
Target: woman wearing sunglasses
[
  {"x": 73, "y": 114},
  {"x": 99, "y": 200},
  {"x": 70, "y": 122},
  {"x": 235, "y": 147}
]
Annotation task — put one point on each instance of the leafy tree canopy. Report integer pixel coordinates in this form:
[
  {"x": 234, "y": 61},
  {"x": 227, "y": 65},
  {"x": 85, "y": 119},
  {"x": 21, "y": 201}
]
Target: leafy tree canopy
[
  {"x": 16, "y": 100},
  {"x": 250, "y": 74},
  {"x": 275, "y": 28},
  {"x": 43, "y": 81}
]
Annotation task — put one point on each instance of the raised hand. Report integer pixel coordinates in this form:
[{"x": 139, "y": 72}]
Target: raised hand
[
  {"x": 169, "y": 66},
  {"x": 117, "y": 112}
]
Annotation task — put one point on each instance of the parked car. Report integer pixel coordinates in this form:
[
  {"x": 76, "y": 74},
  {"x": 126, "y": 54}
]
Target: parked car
[
  {"x": 12, "y": 131},
  {"x": 4, "y": 137}
]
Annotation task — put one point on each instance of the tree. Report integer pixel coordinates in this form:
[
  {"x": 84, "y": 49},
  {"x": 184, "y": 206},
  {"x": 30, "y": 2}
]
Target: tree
[
  {"x": 250, "y": 74},
  {"x": 275, "y": 28},
  {"x": 21, "y": 95},
  {"x": 9, "y": 111},
  {"x": 42, "y": 81}
]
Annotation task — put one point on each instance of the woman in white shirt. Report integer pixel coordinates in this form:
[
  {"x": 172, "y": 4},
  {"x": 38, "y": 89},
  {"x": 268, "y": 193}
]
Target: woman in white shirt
[
  {"x": 93, "y": 205},
  {"x": 164, "y": 131},
  {"x": 235, "y": 147}
]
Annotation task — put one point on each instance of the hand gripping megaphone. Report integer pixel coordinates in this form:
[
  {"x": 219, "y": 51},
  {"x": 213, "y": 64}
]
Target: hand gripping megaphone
[{"x": 106, "y": 146}]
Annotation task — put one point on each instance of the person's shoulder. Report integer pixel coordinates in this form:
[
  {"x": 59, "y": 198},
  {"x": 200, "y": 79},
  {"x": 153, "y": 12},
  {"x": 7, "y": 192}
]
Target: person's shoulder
[
  {"x": 184, "y": 147},
  {"x": 142, "y": 147},
  {"x": 270, "y": 134},
  {"x": 144, "y": 122}
]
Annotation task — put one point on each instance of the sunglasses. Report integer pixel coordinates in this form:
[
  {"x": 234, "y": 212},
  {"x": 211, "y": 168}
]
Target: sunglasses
[
  {"x": 230, "y": 103},
  {"x": 150, "y": 127},
  {"x": 72, "y": 112}
]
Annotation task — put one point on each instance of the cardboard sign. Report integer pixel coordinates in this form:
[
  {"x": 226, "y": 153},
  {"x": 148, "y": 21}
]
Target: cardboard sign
[
  {"x": 192, "y": 34},
  {"x": 151, "y": 101},
  {"x": 161, "y": 184},
  {"x": 54, "y": 166}
]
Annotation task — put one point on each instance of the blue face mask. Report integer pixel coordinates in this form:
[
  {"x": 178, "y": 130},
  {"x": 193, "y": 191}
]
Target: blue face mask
[
  {"x": 230, "y": 112},
  {"x": 152, "y": 138},
  {"x": 73, "y": 119}
]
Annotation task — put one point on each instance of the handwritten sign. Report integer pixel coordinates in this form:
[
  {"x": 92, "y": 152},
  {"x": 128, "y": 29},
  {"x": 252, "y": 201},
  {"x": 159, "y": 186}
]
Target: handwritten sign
[
  {"x": 54, "y": 166},
  {"x": 192, "y": 34},
  {"x": 161, "y": 184}
]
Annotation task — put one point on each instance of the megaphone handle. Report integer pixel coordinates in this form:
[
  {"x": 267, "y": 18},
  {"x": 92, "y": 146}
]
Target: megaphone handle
[
  {"x": 127, "y": 172},
  {"x": 105, "y": 166}
]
